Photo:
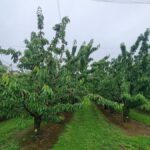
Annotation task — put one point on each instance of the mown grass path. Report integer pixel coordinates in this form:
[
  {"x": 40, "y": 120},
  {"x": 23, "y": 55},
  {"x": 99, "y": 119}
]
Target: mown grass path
[
  {"x": 8, "y": 130},
  {"x": 140, "y": 117},
  {"x": 89, "y": 130}
]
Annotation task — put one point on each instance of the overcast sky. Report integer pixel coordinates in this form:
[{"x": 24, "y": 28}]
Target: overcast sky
[{"x": 108, "y": 24}]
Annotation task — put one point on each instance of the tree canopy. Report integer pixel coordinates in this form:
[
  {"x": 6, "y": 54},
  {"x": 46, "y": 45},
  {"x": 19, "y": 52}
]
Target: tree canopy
[{"x": 52, "y": 78}]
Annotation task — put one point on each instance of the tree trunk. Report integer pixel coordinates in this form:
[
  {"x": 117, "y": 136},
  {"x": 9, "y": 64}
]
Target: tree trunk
[
  {"x": 37, "y": 124},
  {"x": 131, "y": 89},
  {"x": 126, "y": 111},
  {"x": 111, "y": 110},
  {"x": 105, "y": 107}
]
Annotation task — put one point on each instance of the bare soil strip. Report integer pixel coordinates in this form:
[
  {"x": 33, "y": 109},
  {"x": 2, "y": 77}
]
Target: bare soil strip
[
  {"x": 132, "y": 127},
  {"x": 48, "y": 136}
]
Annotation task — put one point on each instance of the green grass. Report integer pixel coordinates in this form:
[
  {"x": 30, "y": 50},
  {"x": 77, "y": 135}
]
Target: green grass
[
  {"x": 140, "y": 117},
  {"x": 89, "y": 130},
  {"x": 8, "y": 129}
]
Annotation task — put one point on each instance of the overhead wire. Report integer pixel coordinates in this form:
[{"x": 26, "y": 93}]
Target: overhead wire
[
  {"x": 10, "y": 64},
  {"x": 14, "y": 46},
  {"x": 107, "y": 1},
  {"x": 124, "y": 1},
  {"x": 59, "y": 10}
]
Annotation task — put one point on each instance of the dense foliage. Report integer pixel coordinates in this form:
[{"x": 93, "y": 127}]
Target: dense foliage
[
  {"x": 125, "y": 77},
  {"x": 52, "y": 78},
  {"x": 107, "y": 104}
]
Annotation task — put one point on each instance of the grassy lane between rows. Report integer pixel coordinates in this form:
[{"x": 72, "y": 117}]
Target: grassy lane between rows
[
  {"x": 140, "y": 117},
  {"x": 90, "y": 130},
  {"x": 8, "y": 129}
]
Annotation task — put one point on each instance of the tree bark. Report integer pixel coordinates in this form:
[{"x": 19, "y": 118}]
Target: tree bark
[
  {"x": 37, "y": 124},
  {"x": 126, "y": 111},
  {"x": 105, "y": 107},
  {"x": 111, "y": 110}
]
